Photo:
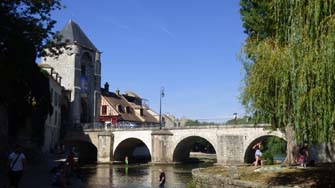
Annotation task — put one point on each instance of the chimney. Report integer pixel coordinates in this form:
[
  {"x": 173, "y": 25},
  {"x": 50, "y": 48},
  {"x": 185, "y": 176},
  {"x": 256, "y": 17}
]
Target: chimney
[
  {"x": 117, "y": 92},
  {"x": 106, "y": 87}
]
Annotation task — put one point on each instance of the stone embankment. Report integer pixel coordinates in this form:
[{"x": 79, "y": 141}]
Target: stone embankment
[{"x": 203, "y": 180}]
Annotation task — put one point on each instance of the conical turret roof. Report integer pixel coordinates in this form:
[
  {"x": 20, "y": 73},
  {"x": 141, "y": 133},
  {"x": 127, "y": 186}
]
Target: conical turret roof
[{"x": 72, "y": 33}]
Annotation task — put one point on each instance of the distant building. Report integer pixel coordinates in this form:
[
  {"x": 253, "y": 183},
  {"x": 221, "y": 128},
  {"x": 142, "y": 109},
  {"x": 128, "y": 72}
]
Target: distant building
[
  {"x": 170, "y": 121},
  {"x": 117, "y": 108},
  {"x": 53, "y": 121},
  {"x": 80, "y": 68}
]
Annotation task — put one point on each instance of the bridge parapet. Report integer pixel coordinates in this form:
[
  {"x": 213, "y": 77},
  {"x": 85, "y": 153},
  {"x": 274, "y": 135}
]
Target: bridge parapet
[{"x": 98, "y": 127}]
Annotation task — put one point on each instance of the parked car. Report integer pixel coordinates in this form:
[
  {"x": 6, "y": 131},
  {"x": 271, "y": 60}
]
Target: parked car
[{"x": 127, "y": 125}]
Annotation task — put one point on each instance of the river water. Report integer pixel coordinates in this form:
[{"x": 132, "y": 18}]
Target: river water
[{"x": 138, "y": 175}]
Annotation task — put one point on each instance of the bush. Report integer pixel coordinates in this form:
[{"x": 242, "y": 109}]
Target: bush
[{"x": 268, "y": 157}]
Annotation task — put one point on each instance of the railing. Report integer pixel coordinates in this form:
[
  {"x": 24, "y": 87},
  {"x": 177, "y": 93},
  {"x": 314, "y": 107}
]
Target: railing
[
  {"x": 132, "y": 126},
  {"x": 120, "y": 125}
]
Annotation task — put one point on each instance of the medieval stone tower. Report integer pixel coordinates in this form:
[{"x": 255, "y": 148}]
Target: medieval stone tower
[{"x": 80, "y": 69}]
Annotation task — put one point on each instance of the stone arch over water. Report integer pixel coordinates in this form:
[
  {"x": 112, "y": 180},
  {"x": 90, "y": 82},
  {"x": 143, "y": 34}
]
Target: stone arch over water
[
  {"x": 135, "y": 149},
  {"x": 181, "y": 152}
]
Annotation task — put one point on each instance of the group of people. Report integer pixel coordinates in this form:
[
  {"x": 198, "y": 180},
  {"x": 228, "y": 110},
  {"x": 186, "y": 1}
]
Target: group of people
[
  {"x": 302, "y": 156},
  {"x": 65, "y": 170}
]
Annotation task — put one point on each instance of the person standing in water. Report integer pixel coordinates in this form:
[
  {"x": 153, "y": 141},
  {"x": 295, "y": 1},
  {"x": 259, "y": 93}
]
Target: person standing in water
[
  {"x": 126, "y": 160},
  {"x": 161, "y": 178}
]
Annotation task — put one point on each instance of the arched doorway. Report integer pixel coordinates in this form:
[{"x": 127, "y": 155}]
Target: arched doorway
[
  {"x": 273, "y": 149},
  {"x": 194, "y": 149},
  {"x": 136, "y": 150}
]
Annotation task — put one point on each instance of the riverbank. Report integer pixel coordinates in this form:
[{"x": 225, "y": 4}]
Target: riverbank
[{"x": 268, "y": 176}]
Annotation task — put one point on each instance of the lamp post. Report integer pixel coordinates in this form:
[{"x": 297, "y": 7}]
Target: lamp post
[{"x": 161, "y": 95}]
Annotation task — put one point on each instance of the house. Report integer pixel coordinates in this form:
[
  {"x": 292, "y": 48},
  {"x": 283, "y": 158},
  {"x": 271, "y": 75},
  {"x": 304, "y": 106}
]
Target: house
[
  {"x": 119, "y": 109},
  {"x": 53, "y": 122}
]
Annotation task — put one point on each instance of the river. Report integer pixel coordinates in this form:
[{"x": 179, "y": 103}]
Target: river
[{"x": 138, "y": 175}]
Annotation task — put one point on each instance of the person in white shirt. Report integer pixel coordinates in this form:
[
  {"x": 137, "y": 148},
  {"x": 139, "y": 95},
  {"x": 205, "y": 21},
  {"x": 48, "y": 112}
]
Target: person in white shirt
[{"x": 16, "y": 166}]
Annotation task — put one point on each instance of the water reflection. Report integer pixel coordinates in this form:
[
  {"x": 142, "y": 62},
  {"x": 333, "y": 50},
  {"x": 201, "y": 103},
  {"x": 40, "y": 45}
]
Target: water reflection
[{"x": 138, "y": 176}]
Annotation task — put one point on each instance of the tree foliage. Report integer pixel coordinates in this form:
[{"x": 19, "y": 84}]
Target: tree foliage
[
  {"x": 25, "y": 29},
  {"x": 290, "y": 70}
]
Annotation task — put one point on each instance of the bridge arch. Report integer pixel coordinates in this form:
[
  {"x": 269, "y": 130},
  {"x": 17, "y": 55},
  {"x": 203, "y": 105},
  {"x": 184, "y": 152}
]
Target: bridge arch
[
  {"x": 134, "y": 148},
  {"x": 249, "y": 152},
  {"x": 84, "y": 145},
  {"x": 183, "y": 147}
]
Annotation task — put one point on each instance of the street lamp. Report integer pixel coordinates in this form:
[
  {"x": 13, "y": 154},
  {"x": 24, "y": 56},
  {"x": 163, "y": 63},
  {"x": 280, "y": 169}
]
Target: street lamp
[{"x": 161, "y": 95}]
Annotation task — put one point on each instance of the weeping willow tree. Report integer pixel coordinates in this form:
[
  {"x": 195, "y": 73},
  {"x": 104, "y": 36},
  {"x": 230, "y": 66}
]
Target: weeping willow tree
[{"x": 290, "y": 70}]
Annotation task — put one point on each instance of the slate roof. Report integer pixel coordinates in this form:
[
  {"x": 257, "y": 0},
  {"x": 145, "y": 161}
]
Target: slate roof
[
  {"x": 72, "y": 33},
  {"x": 114, "y": 100}
]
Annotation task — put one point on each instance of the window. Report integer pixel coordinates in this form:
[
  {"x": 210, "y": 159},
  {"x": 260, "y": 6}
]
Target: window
[
  {"x": 52, "y": 95},
  {"x": 119, "y": 108},
  {"x": 83, "y": 70},
  {"x": 59, "y": 100},
  {"x": 104, "y": 109},
  {"x": 56, "y": 98},
  {"x": 141, "y": 112},
  {"x": 128, "y": 110},
  {"x": 56, "y": 116}
]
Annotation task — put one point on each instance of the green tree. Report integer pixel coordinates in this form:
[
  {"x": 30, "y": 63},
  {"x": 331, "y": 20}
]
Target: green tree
[
  {"x": 25, "y": 30},
  {"x": 289, "y": 78},
  {"x": 257, "y": 18}
]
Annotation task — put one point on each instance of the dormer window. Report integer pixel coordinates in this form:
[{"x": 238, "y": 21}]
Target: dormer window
[
  {"x": 104, "y": 109},
  {"x": 119, "y": 108},
  {"x": 128, "y": 110}
]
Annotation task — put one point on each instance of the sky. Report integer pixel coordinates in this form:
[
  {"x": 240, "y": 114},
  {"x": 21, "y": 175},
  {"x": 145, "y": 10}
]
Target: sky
[{"x": 189, "y": 47}]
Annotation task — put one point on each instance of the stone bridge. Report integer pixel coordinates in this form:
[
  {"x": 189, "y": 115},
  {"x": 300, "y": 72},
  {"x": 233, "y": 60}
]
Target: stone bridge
[{"x": 231, "y": 144}]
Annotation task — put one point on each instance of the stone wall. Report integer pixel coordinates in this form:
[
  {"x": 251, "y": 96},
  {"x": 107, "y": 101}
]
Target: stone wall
[{"x": 217, "y": 181}]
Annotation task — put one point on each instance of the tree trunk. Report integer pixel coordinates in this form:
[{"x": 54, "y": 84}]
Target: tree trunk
[{"x": 292, "y": 149}]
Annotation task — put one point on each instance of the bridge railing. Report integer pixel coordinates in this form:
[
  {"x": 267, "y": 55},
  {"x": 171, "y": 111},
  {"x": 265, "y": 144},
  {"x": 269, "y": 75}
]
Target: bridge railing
[
  {"x": 126, "y": 126},
  {"x": 120, "y": 125}
]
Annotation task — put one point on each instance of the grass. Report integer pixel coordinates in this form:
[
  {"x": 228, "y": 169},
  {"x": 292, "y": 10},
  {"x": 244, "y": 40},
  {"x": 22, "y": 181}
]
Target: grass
[{"x": 320, "y": 176}]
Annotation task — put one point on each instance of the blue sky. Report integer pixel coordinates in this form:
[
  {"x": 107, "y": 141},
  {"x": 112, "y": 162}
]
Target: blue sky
[{"x": 190, "y": 47}]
